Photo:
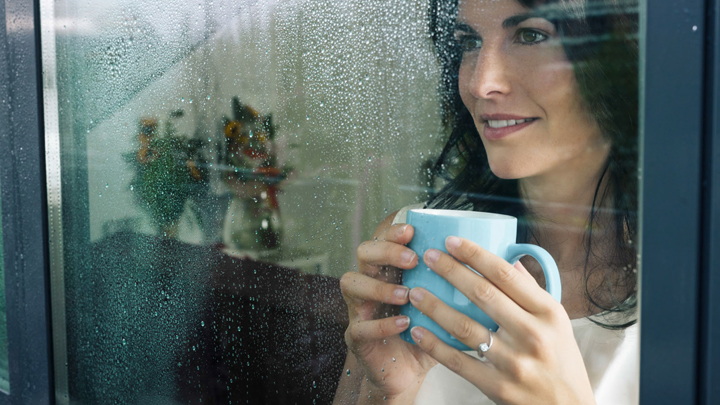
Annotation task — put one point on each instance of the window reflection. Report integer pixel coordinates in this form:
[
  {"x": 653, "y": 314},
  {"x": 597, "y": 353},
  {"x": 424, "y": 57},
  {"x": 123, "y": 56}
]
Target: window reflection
[
  {"x": 223, "y": 161},
  {"x": 221, "y": 165}
]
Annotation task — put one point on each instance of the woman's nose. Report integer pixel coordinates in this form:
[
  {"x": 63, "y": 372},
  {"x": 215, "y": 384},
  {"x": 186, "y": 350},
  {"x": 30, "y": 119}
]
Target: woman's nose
[{"x": 491, "y": 75}]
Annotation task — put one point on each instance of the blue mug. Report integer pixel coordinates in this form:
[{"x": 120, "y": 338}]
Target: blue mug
[{"x": 494, "y": 232}]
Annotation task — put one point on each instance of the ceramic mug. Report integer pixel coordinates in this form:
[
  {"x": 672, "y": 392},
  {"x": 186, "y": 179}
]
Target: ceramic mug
[{"x": 494, "y": 232}]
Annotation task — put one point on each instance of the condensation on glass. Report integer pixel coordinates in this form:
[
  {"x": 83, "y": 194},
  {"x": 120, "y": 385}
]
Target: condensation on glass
[
  {"x": 4, "y": 366},
  {"x": 220, "y": 163}
]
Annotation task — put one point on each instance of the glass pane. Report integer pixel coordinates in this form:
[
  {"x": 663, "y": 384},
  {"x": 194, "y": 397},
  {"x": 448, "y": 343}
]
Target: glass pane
[
  {"x": 4, "y": 366},
  {"x": 223, "y": 162}
]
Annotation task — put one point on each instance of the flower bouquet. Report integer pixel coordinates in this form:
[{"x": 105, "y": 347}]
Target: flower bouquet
[
  {"x": 169, "y": 172},
  {"x": 252, "y": 173}
]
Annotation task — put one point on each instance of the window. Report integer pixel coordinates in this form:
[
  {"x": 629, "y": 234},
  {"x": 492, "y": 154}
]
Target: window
[
  {"x": 4, "y": 367},
  {"x": 212, "y": 169}
]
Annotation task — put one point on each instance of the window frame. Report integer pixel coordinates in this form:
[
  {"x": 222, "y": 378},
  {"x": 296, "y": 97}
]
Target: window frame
[
  {"x": 671, "y": 195},
  {"x": 24, "y": 210},
  {"x": 680, "y": 205},
  {"x": 709, "y": 350}
]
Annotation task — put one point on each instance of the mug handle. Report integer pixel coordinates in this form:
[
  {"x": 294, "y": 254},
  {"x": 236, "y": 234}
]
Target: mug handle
[{"x": 552, "y": 275}]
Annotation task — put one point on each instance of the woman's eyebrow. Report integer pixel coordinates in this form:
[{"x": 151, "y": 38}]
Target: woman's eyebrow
[
  {"x": 464, "y": 27},
  {"x": 510, "y": 22},
  {"x": 514, "y": 21}
]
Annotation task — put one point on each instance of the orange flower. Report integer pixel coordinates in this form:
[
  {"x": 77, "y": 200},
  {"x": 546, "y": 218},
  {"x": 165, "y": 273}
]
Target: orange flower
[
  {"x": 232, "y": 129},
  {"x": 194, "y": 172},
  {"x": 148, "y": 126}
]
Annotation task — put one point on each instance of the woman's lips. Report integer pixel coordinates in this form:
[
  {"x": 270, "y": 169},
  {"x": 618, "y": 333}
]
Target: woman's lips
[{"x": 493, "y": 134}]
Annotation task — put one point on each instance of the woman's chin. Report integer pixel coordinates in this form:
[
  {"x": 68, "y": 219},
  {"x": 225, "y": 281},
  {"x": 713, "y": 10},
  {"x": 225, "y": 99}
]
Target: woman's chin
[{"x": 508, "y": 171}]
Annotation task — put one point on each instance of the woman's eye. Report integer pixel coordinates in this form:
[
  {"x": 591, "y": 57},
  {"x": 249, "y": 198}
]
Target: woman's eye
[
  {"x": 531, "y": 37},
  {"x": 468, "y": 43}
]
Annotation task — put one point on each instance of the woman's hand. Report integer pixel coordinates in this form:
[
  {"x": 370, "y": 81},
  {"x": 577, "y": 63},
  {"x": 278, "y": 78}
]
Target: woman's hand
[
  {"x": 534, "y": 358},
  {"x": 391, "y": 368}
]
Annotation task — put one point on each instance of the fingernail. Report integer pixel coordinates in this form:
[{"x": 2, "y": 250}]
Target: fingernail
[
  {"x": 402, "y": 292},
  {"x": 402, "y": 322},
  {"x": 416, "y": 294},
  {"x": 417, "y": 333},
  {"x": 402, "y": 230},
  {"x": 407, "y": 256},
  {"x": 432, "y": 255},
  {"x": 452, "y": 242}
]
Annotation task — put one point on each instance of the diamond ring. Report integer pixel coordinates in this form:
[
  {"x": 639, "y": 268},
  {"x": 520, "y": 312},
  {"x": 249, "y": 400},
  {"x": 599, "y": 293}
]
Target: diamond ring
[{"x": 484, "y": 347}]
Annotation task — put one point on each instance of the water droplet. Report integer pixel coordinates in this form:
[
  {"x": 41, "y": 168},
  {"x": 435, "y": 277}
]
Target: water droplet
[
  {"x": 393, "y": 359},
  {"x": 348, "y": 371},
  {"x": 202, "y": 323}
]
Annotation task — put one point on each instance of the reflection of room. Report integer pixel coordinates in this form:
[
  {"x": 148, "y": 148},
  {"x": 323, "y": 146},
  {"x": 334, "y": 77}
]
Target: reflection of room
[
  {"x": 354, "y": 121},
  {"x": 342, "y": 125}
]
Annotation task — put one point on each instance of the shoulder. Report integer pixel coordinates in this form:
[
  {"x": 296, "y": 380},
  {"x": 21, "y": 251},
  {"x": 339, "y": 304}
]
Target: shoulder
[{"x": 612, "y": 359}]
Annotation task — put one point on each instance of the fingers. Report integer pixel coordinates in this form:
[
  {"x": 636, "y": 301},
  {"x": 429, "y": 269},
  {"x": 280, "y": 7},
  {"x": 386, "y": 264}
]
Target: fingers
[
  {"x": 518, "y": 265},
  {"x": 398, "y": 233},
  {"x": 462, "y": 327},
  {"x": 358, "y": 288},
  {"x": 524, "y": 291},
  {"x": 375, "y": 329},
  {"x": 373, "y": 255},
  {"x": 483, "y": 375},
  {"x": 491, "y": 300},
  {"x": 386, "y": 248}
]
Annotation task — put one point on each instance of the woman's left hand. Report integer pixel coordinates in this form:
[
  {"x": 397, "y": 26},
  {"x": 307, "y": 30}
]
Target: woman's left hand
[{"x": 534, "y": 358}]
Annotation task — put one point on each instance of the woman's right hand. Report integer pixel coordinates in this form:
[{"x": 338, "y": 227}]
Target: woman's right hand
[{"x": 392, "y": 368}]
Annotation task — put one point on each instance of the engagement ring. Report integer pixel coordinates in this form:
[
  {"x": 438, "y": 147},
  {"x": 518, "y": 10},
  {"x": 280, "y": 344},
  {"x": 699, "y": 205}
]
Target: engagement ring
[{"x": 484, "y": 347}]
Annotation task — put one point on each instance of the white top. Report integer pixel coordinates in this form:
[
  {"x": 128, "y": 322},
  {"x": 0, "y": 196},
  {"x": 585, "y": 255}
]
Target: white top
[{"x": 611, "y": 357}]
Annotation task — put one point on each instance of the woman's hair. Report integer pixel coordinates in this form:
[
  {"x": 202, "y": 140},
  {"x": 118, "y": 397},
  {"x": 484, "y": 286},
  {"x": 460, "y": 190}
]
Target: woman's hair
[{"x": 600, "y": 39}]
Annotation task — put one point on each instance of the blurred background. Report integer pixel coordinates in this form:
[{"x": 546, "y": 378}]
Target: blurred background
[
  {"x": 351, "y": 88},
  {"x": 221, "y": 162}
]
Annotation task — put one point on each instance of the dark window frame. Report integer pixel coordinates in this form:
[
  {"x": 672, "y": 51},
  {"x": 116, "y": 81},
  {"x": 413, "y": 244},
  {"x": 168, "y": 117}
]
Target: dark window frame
[
  {"x": 24, "y": 208},
  {"x": 671, "y": 235},
  {"x": 680, "y": 327},
  {"x": 709, "y": 339}
]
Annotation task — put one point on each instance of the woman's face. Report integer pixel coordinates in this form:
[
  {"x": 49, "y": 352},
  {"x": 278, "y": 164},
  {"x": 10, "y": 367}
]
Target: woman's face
[{"x": 521, "y": 91}]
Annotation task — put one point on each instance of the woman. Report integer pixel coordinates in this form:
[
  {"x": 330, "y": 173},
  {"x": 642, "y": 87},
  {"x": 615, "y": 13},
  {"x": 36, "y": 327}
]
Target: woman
[{"x": 542, "y": 101}]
